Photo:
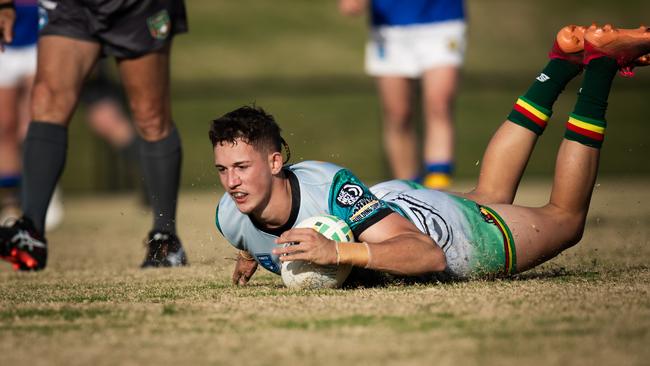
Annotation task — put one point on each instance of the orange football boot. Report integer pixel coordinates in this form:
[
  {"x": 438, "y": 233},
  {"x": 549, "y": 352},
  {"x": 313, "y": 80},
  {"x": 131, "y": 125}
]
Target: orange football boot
[
  {"x": 569, "y": 44},
  {"x": 629, "y": 47}
]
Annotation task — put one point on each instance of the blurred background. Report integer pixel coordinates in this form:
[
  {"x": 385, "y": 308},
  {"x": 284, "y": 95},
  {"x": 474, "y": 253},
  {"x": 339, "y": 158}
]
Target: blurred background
[{"x": 303, "y": 62}]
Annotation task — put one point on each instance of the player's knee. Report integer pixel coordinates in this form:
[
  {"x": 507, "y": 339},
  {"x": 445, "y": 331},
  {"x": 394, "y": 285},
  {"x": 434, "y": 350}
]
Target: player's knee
[
  {"x": 8, "y": 128},
  {"x": 439, "y": 110},
  {"x": 397, "y": 118},
  {"x": 50, "y": 104},
  {"x": 574, "y": 224},
  {"x": 151, "y": 121}
]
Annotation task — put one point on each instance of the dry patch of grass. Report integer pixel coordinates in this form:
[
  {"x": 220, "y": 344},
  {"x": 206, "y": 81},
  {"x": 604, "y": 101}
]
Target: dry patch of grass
[{"x": 92, "y": 305}]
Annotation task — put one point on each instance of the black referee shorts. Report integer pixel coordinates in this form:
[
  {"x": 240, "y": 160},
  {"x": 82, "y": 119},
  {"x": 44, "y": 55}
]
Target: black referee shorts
[{"x": 124, "y": 28}]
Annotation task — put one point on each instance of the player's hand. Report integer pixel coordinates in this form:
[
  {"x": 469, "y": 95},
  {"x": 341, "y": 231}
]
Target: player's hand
[
  {"x": 7, "y": 19},
  {"x": 307, "y": 245},
  {"x": 244, "y": 270},
  {"x": 352, "y": 7}
]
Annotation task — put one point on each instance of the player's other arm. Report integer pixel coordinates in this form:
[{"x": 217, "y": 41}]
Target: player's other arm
[
  {"x": 352, "y": 7},
  {"x": 391, "y": 245},
  {"x": 7, "y": 19},
  {"x": 396, "y": 246}
]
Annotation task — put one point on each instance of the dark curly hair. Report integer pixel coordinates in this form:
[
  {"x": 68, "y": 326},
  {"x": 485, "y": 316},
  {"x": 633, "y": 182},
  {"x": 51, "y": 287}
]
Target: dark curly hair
[{"x": 252, "y": 125}]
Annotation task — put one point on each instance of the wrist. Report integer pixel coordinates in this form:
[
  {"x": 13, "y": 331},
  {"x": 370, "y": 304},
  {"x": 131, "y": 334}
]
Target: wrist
[
  {"x": 245, "y": 255},
  {"x": 356, "y": 254}
]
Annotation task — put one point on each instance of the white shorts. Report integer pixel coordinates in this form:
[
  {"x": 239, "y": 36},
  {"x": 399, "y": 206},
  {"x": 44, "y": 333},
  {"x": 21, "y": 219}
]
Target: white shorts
[
  {"x": 408, "y": 51},
  {"x": 16, "y": 64}
]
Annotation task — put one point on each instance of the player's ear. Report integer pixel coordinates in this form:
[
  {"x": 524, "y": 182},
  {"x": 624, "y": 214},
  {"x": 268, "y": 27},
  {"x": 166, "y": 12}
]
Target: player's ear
[{"x": 275, "y": 162}]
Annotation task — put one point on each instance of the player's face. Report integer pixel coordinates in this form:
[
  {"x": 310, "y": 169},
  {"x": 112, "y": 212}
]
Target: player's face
[{"x": 246, "y": 174}]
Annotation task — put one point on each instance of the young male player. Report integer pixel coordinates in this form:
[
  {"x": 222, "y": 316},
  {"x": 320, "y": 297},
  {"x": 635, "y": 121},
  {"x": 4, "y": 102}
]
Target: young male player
[
  {"x": 76, "y": 33},
  {"x": 421, "y": 231}
]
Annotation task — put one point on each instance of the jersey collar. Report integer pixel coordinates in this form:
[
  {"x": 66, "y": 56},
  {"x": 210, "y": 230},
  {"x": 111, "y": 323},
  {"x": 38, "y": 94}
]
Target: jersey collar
[{"x": 295, "y": 207}]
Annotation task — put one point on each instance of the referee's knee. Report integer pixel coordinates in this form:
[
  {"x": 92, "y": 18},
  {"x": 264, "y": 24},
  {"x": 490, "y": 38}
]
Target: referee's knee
[{"x": 52, "y": 105}]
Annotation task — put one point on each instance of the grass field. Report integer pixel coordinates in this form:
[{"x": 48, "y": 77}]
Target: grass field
[{"x": 591, "y": 305}]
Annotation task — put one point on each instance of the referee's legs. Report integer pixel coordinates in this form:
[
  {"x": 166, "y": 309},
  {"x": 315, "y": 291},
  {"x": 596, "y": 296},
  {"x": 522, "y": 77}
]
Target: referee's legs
[
  {"x": 63, "y": 64},
  {"x": 146, "y": 81}
]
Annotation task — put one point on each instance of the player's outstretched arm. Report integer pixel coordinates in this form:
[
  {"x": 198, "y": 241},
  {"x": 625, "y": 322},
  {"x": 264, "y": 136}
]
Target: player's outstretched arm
[{"x": 392, "y": 245}]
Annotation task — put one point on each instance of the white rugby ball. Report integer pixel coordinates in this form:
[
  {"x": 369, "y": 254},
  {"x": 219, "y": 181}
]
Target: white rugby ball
[{"x": 305, "y": 275}]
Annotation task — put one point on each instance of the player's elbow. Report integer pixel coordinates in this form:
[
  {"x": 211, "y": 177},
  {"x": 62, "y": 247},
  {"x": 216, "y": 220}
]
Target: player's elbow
[
  {"x": 432, "y": 260},
  {"x": 438, "y": 262}
]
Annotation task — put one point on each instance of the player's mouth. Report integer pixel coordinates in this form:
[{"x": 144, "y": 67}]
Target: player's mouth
[{"x": 239, "y": 197}]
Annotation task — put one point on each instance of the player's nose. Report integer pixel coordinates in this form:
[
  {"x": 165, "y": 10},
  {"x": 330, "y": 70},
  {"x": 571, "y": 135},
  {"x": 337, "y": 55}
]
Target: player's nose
[{"x": 233, "y": 179}]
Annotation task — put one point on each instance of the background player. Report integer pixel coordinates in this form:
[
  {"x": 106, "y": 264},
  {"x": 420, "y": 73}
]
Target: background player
[
  {"x": 17, "y": 69},
  {"x": 477, "y": 234},
  {"x": 416, "y": 39},
  {"x": 75, "y": 36}
]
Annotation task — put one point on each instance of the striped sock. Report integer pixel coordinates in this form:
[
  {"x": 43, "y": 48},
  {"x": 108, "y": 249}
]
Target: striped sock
[
  {"x": 587, "y": 123},
  {"x": 533, "y": 109},
  {"x": 438, "y": 175}
]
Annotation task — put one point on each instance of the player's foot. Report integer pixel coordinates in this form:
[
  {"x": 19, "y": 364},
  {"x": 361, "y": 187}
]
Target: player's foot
[
  {"x": 23, "y": 246},
  {"x": 569, "y": 44},
  {"x": 436, "y": 181},
  {"x": 164, "y": 250},
  {"x": 629, "y": 47}
]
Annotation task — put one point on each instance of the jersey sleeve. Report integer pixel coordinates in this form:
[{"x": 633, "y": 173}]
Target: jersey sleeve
[{"x": 352, "y": 201}]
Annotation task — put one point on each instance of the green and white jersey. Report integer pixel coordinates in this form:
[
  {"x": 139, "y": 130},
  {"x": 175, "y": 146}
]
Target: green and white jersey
[
  {"x": 475, "y": 240},
  {"x": 316, "y": 188}
]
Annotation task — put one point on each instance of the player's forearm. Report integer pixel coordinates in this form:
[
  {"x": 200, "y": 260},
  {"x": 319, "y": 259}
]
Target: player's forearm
[{"x": 406, "y": 254}]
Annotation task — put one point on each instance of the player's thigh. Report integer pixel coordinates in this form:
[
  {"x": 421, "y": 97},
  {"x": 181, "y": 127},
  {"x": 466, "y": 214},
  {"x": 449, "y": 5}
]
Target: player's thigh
[
  {"x": 439, "y": 87},
  {"x": 395, "y": 93},
  {"x": 146, "y": 82},
  {"x": 63, "y": 64},
  {"x": 539, "y": 233},
  {"x": 8, "y": 110}
]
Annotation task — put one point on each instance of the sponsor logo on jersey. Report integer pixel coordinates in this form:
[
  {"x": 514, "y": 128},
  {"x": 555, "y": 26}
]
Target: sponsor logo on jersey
[
  {"x": 543, "y": 77},
  {"x": 364, "y": 208},
  {"x": 267, "y": 262},
  {"x": 349, "y": 194},
  {"x": 159, "y": 24}
]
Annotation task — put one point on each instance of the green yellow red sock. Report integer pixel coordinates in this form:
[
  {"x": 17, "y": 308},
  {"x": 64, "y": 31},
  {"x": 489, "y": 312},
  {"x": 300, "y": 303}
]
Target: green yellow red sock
[
  {"x": 587, "y": 131},
  {"x": 587, "y": 123},
  {"x": 533, "y": 109}
]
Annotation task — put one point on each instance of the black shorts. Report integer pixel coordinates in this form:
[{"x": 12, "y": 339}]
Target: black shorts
[{"x": 124, "y": 28}]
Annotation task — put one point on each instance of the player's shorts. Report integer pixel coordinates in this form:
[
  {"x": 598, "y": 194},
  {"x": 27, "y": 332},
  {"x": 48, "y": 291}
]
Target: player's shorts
[
  {"x": 124, "y": 28},
  {"x": 476, "y": 241},
  {"x": 16, "y": 63},
  {"x": 409, "y": 51}
]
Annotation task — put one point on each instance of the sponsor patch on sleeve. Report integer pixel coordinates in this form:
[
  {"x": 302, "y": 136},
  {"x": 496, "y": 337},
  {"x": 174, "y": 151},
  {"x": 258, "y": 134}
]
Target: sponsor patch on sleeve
[
  {"x": 353, "y": 202},
  {"x": 349, "y": 194}
]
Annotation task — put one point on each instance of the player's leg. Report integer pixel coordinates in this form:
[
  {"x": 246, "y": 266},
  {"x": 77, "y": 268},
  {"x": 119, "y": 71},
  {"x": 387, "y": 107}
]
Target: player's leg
[
  {"x": 63, "y": 63},
  {"x": 106, "y": 118},
  {"x": 510, "y": 148},
  {"x": 439, "y": 89},
  {"x": 400, "y": 142},
  {"x": 146, "y": 81},
  {"x": 542, "y": 233}
]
